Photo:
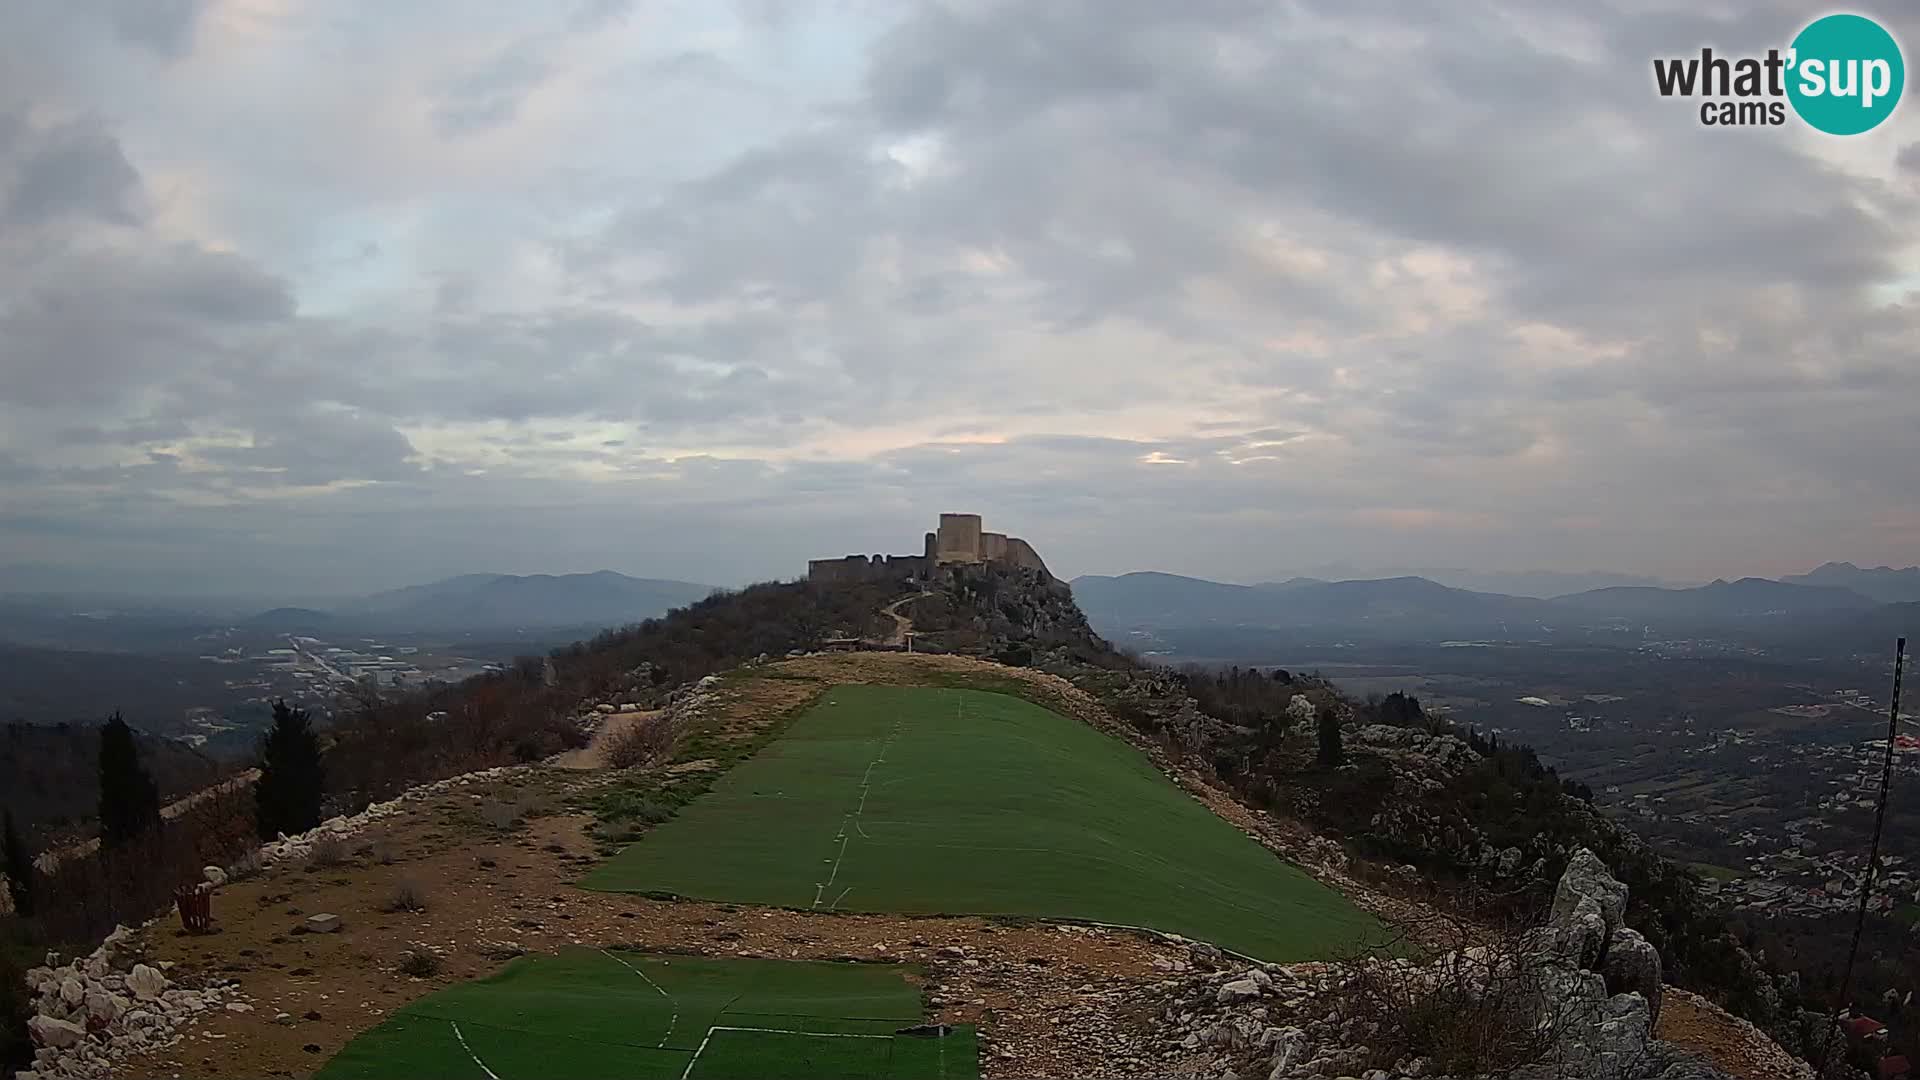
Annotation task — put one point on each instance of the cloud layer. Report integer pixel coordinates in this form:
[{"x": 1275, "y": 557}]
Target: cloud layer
[{"x": 308, "y": 297}]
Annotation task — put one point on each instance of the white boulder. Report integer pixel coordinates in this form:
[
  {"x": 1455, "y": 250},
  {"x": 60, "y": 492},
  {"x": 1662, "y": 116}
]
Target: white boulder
[
  {"x": 104, "y": 1007},
  {"x": 146, "y": 983},
  {"x": 57, "y": 1034}
]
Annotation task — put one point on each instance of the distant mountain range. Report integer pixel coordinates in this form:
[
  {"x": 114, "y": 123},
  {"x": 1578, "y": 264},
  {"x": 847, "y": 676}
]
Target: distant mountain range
[
  {"x": 1745, "y": 598},
  {"x": 1882, "y": 583},
  {"x": 1538, "y": 584},
  {"x": 471, "y": 604},
  {"x": 509, "y": 601},
  {"x": 1153, "y": 600},
  {"x": 1417, "y": 607}
]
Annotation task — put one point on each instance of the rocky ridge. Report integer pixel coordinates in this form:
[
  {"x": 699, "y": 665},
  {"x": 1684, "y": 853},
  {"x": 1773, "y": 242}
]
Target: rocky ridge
[{"x": 1586, "y": 981}]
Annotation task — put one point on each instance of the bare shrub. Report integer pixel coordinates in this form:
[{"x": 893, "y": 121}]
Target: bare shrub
[
  {"x": 420, "y": 962},
  {"x": 1484, "y": 1008},
  {"x": 82, "y": 899},
  {"x": 642, "y": 742},
  {"x": 500, "y": 813},
  {"x": 328, "y": 851},
  {"x": 407, "y": 896},
  {"x": 247, "y": 865}
]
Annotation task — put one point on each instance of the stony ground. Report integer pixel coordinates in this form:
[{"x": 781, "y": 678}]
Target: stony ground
[
  {"x": 488, "y": 898},
  {"x": 1729, "y": 1042},
  {"x": 1049, "y": 999}
]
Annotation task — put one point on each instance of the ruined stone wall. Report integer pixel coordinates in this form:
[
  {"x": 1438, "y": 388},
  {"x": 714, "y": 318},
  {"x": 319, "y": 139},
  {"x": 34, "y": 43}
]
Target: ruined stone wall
[
  {"x": 1021, "y": 553},
  {"x": 867, "y": 568},
  {"x": 958, "y": 540}
]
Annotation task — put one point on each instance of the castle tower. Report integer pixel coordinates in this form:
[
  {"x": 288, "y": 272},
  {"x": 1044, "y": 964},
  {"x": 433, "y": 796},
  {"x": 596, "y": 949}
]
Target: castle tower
[{"x": 959, "y": 538}]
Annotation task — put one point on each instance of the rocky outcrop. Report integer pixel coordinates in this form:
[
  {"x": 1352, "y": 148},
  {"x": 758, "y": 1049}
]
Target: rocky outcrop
[
  {"x": 91, "y": 1014},
  {"x": 1584, "y": 986}
]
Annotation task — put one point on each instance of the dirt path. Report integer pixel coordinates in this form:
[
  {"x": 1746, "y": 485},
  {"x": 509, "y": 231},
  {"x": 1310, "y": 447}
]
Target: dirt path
[{"x": 902, "y": 626}]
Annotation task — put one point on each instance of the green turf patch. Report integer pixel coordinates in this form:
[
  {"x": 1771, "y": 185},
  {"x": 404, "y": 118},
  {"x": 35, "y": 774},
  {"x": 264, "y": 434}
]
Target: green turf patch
[
  {"x": 956, "y": 801},
  {"x": 775, "y": 1055},
  {"x": 654, "y": 1017}
]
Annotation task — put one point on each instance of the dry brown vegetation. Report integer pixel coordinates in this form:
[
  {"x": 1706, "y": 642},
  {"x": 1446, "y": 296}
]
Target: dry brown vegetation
[
  {"x": 82, "y": 899},
  {"x": 642, "y": 742}
]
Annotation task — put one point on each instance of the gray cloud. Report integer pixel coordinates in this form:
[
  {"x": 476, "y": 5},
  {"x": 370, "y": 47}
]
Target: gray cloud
[
  {"x": 164, "y": 26},
  {"x": 489, "y": 96},
  {"x": 50, "y": 172},
  {"x": 1298, "y": 282}
]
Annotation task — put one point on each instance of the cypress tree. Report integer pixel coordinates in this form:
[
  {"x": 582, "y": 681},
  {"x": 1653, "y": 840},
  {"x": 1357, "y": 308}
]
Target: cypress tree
[
  {"x": 292, "y": 776},
  {"x": 1331, "y": 752},
  {"x": 19, "y": 868},
  {"x": 129, "y": 799}
]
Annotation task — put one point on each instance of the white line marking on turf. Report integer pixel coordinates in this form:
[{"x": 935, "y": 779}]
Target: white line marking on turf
[
  {"x": 866, "y": 785},
  {"x": 672, "y": 1020},
  {"x": 808, "y": 1034},
  {"x": 491, "y": 1075},
  {"x": 688, "y": 1071}
]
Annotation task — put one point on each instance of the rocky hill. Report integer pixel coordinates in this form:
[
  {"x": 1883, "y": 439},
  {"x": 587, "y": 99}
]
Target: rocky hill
[
  {"x": 1436, "y": 812},
  {"x": 1452, "y": 838}
]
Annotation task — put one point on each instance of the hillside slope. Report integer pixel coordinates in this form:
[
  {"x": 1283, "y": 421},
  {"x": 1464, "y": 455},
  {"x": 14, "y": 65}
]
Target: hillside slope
[
  {"x": 50, "y": 774},
  {"x": 1423, "y": 815}
]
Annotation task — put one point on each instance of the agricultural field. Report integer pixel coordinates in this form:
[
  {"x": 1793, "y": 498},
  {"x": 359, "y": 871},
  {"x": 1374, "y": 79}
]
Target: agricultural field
[
  {"x": 951, "y": 801},
  {"x": 590, "y": 1012}
]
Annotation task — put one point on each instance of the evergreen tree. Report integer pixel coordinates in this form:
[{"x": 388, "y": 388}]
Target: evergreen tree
[
  {"x": 1331, "y": 752},
  {"x": 292, "y": 777},
  {"x": 129, "y": 799},
  {"x": 19, "y": 868}
]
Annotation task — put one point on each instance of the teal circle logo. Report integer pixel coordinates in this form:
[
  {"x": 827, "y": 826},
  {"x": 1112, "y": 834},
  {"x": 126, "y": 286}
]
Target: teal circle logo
[{"x": 1845, "y": 74}]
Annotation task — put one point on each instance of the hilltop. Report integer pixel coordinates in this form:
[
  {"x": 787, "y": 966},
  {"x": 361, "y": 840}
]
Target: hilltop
[{"x": 1420, "y": 819}]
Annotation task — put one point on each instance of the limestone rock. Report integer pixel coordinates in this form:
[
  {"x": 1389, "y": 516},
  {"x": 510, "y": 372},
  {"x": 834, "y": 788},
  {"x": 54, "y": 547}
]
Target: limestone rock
[
  {"x": 1632, "y": 965},
  {"x": 104, "y": 1007},
  {"x": 1237, "y": 991},
  {"x": 58, "y": 1034},
  {"x": 323, "y": 923},
  {"x": 146, "y": 983},
  {"x": 1586, "y": 879}
]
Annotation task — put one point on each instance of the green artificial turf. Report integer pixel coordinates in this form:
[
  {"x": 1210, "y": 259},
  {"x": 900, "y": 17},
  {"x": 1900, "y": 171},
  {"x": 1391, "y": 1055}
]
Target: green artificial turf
[
  {"x": 654, "y": 1017},
  {"x": 924, "y": 800}
]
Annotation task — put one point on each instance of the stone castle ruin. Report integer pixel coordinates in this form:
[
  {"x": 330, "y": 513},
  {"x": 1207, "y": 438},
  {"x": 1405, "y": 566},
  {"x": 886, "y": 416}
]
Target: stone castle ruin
[{"x": 958, "y": 540}]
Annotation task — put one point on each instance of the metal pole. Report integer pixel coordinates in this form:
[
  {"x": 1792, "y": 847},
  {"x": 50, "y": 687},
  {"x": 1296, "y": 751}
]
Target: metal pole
[{"x": 1873, "y": 855}]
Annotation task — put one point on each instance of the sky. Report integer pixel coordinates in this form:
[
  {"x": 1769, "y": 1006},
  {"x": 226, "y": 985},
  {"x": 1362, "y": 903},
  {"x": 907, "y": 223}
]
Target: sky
[{"x": 307, "y": 297}]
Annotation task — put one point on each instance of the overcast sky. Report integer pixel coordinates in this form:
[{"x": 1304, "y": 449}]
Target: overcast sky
[{"x": 313, "y": 296}]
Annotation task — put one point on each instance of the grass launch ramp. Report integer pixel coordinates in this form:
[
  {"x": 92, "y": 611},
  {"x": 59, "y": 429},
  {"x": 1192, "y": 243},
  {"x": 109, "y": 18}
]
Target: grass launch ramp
[
  {"x": 646, "y": 1016},
  {"x": 923, "y": 800}
]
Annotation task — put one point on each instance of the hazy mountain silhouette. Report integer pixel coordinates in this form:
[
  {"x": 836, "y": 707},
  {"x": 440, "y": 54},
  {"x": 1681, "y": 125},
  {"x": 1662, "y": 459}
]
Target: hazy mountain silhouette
[
  {"x": 1882, "y": 583},
  {"x": 1745, "y": 598},
  {"x": 1145, "y": 600},
  {"x": 495, "y": 601}
]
